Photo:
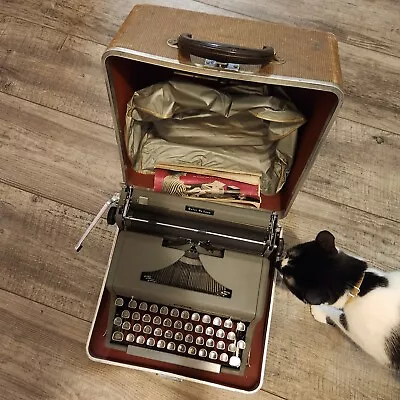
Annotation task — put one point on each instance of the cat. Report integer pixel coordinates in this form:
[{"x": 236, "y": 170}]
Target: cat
[{"x": 344, "y": 291}]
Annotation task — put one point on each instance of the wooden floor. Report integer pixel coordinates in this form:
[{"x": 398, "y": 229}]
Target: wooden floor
[{"x": 58, "y": 162}]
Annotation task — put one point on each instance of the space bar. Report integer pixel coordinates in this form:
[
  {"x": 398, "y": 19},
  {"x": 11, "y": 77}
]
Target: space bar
[{"x": 173, "y": 359}]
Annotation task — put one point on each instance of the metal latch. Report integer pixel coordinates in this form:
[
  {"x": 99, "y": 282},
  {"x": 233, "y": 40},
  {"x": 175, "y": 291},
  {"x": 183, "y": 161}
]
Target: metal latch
[
  {"x": 220, "y": 65},
  {"x": 274, "y": 243}
]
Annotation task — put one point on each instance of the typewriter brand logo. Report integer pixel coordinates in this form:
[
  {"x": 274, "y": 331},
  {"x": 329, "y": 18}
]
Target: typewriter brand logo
[{"x": 199, "y": 210}]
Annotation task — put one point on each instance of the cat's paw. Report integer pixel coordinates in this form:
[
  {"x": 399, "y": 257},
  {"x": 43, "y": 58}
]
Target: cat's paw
[{"x": 319, "y": 313}]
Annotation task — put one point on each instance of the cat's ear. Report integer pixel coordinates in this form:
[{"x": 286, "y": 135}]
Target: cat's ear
[{"x": 326, "y": 240}]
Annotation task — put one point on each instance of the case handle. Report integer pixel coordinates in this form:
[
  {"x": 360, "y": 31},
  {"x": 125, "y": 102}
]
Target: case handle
[{"x": 224, "y": 53}]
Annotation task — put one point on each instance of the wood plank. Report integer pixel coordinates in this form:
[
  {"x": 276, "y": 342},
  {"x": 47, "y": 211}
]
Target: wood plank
[
  {"x": 76, "y": 163},
  {"x": 45, "y": 359}
]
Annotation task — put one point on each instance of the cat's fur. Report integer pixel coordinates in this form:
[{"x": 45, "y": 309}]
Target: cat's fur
[{"x": 321, "y": 275}]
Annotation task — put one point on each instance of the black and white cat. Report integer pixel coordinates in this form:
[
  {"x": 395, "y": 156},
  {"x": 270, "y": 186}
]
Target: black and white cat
[{"x": 344, "y": 291}]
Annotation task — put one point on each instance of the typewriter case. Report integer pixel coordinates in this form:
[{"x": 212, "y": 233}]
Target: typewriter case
[{"x": 144, "y": 52}]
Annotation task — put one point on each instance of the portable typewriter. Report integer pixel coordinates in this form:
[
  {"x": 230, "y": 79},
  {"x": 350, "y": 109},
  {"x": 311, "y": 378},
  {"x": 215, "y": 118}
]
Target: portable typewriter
[{"x": 189, "y": 287}]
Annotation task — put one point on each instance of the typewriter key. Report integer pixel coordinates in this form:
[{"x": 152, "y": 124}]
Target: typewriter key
[
  {"x": 231, "y": 336},
  {"x": 220, "y": 333},
  {"x": 143, "y": 306},
  {"x": 178, "y": 336},
  {"x": 168, "y": 334},
  {"x": 167, "y": 322},
  {"x": 206, "y": 319},
  {"x": 150, "y": 342},
  {"x": 192, "y": 351},
  {"x": 161, "y": 344},
  {"x": 217, "y": 321},
  {"x": 147, "y": 330},
  {"x": 232, "y": 347},
  {"x": 126, "y": 325},
  {"x": 228, "y": 324},
  {"x": 195, "y": 317},
  {"x": 132, "y": 304},
  {"x": 234, "y": 361},
  {"x": 136, "y": 316},
  {"x": 199, "y": 341},
  {"x": 224, "y": 357},
  {"x": 118, "y": 336},
  {"x": 137, "y": 328},
  {"x": 221, "y": 345},
  {"x": 178, "y": 324},
  {"x": 203, "y": 353},
  {"x": 181, "y": 348},
  {"x": 146, "y": 318},
  {"x": 213, "y": 355},
  {"x": 240, "y": 327},
  {"x": 198, "y": 329},
  {"x": 241, "y": 344},
  {"x": 189, "y": 338},
  {"x": 171, "y": 346},
  {"x": 164, "y": 310},
  {"x": 210, "y": 331},
  {"x": 118, "y": 321},
  {"x": 174, "y": 313},
  {"x": 157, "y": 320},
  {"x": 125, "y": 314},
  {"x": 119, "y": 302},
  {"x": 185, "y": 314},
  {"x": 153, "y": 308},
  {"x": 140, "y": 340},
  {"x": 130, "y": 337},
  {"x": 188, "y": 327},
  {"x": 158, "y": 332},
  {"x": 210, "y": 343}
]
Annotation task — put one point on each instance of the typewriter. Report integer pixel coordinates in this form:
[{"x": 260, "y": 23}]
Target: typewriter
[{"x": 188, "y": 280}]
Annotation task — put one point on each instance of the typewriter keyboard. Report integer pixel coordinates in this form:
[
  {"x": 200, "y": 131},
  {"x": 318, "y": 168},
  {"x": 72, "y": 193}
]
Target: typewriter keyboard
[{"x": 179, "y": 331}]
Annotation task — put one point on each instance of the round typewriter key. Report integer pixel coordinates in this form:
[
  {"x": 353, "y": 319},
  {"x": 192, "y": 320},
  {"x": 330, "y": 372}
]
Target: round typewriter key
[
  {"x": 119, "y": 301},
  {"x": 181, "y": 348},
  {"x": 178, "y": 336},
  {"x": 195, "y": 317},
  {"x": 189, "y": 338},
  {"x": 241, "y": 344},
  {"x": 140, "y": 340},
  {"x": 231, "y": 336},
  {"x": 185, "y": 314},
  {"x": 136, "y": 316},
  {"x": 118, "y": 336},
  {"x": 161, "y": 344},
  {"x": 220, "y": 333},
  {"x": 118, "y": 321},
  {"x": 147, "y": 330},
  {"x": 164, "y": 310},
  {"x": 234, "y": 361},
  {"x": 171, "y": 346},
  {"x": 217, "y": 321},
  {"x": 228, "y": 323},
  {"x": 130, "y": 337},
  {"x": 137, "y": 328},
  {"x": 132, "y": 304},
  {"x": 125, "y": 314},
  {"x": 210, "y": 331},
  {"x": 199, "y": 341},
  {"x": 188, "y": 327},
  {"x": 167, "y": 322},
  {"x": 153, "y": 308},
  {"x": 240, "y": 327},
  {"x": 126, "y": 325},
  {"x": 213, "y": 355},
  {"x": 232, "y": 347},
  {"x": 206, "y": 319},
  {"x": 150, "y": 342},
  {"x": 210, "y": 343},
  {"x": 158, "y": 332},
  {"x": 198, "y": 329},
  {"x": 146, "y": 318},
  {"x": 224, "y": 357},
  {"x": 192, "y": 351},
  {"x": 168, "y": 334},
  {"x": 174, "y": 312},
  {"x": 178, "y": 324},
  {"x": 221, "y": 345},
  {"x": 157, "y": 320},
  {"x": 143, "y": 306},
  {"x": 203, "y": 353}
]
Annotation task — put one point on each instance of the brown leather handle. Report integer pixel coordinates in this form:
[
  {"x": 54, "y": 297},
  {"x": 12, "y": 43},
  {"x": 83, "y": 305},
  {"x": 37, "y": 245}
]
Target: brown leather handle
[{"x": 225, "y": 53}]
